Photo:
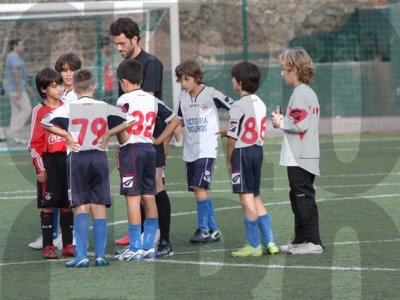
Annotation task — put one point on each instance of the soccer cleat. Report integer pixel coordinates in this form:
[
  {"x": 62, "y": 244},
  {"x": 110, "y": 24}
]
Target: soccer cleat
[
  {"x": 131, "y": 255},
  {"x": 307, "y": 248},
  {"x": 49, "y": 252},
  {"x": 200, "y": 236},
  {"x": 122, "y": 250},
  {"x": 78, "y": 263},
  {"x": 289, "y": 247},
  {"x": 124, "y": 241},
  {"x": 215, "y": 236},
  {"x": 149, "y": 254},
  {"x": 272, "y": 248},
  {"x": 101, "y": 261},
  {"x": 164, "y": 248},
  {"x": 248, "y": 250},
  {"x": 69, "y": 251}
]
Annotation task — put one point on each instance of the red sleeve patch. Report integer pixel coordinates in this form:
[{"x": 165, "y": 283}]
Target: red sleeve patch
[{"x": 298, "y": 115}]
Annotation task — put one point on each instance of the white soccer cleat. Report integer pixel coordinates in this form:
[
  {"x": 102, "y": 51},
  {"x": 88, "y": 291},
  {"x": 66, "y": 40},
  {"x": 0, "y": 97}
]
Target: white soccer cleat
[
  {"x": 37, "y": 244},
  {"x": 58, "y": 243},
  {"x": 307, "y": 248}
]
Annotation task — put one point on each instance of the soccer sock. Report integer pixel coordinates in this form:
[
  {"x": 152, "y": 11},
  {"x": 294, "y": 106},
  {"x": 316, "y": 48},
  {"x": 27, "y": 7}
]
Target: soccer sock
[
  {"x": 67, "y": 226},
  {"x": 56, "y": 212},
  {"x": 135, "y": 238},
  {"x": 150, "y": 227},
  {"x": 211, "y": 216},
  {"x": 81, "y": 231},
  {"x": 100, "y": 237},
  {"x": 202, "y": 215},
  {"x": 264, "y": 224},
  {"x": 142, "y": 215},
  {"x": 46, "y": 220},
  {"x": 252, "y": 232},
  {"x": 164, "y": 214}
]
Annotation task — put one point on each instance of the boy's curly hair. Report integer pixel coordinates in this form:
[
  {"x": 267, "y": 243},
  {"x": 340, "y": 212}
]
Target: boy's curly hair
[{"x": 298, "y": 58}]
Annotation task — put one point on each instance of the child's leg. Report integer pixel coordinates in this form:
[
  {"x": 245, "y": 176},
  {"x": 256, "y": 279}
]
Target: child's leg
[
  {"x": 202, "y": 208},
  {"x": 134, "y": 222},
  {"x": 264, "y": 222},
  {"x": 250, "y": 219},
  {"x": 56, "y": 212},
  {"x": 150, "y": 222},
  {"x": 81, "y": 230},
  {"x": 99, "y": 213},
  {"x": 67, "y": 225},
  {"x": 46, "y": 218}
]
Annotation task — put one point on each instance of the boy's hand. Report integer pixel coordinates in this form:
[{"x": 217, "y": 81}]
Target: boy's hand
[
  {"x": 276, "y": 119},
  {"x": 104, "y": 141},
  {"x": 178, "y": 133},
  {"x": 156, "y": 141},
  {"x": 41, "y": 177},
  {"x": 222, "y": 132},
  {"x": 73, "y": 145}
]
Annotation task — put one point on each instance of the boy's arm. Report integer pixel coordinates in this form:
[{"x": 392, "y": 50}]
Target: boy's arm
[
  {"x": 297, "y": 117},
  {"x": 73, "y": 145},
  {"x": 231, "y": 142},
  {"x": 167, "y": 132},
  {"x": 116, "y": 130},
  {"x": 35, "y": 148},
  {"x": 221, "y": 100}
]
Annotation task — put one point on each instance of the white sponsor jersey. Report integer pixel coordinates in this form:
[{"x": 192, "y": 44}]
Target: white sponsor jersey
[
  {"x": 69, "y": 96},
  {"x": 87, "y": 121},
  {"x": 201, "y": 122},
  {"x": 247, "y": 121},
  {"x": 144, "y": 108}
]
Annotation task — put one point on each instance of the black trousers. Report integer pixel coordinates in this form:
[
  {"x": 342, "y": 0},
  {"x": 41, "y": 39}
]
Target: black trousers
[{"x": 304, "y": 207}]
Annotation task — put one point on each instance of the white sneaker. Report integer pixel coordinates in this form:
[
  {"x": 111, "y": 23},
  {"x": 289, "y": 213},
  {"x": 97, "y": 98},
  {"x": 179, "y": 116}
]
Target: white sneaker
[
  {"x": 38, "y": 243},
  {"x": 307, "y": 248},
  {"x": 288, "y": 248}
]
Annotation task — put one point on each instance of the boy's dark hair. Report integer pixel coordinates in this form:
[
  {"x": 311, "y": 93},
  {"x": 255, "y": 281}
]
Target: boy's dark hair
[
  {"x": 82, "y": 81},
  {"x": 131, "y": 70},
  {"x": 125, "y": 26},
  {"x": 13, "y": 43},
  {"x": 189, "y": 68},
  {"x": 248, "y": 75},
  {"x": 71, "y": 60},
  {"x": 46, "y": 77}
]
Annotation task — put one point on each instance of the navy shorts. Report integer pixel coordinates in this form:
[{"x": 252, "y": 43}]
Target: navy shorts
[
  {"x": 137, "y": 169},
  {"x": 158, "y": 129},
  {"x": 246, "y": 170},
  {"x": 88, "y": 178},
  {"x": 54, "y": 192},
  {"x": 199, "y": 173}
]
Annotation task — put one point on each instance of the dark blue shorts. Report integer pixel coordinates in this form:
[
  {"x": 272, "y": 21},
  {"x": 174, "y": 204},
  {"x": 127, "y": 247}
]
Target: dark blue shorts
[
  {"x": 137, "y": 169},
  {"x": 88, "y": 178},
  {"x": 199, "y": 173},
  {"x": 54, "y": 192},
  {"x": 246, "y": 170}
]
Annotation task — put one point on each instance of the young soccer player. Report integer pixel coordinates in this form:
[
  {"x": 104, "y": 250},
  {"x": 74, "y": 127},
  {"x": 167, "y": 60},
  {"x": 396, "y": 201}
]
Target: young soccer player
[
  {"x": 48, "y": 152},
  {"x": 137, "y": 159},
  {"x": 300, "y": 149},
  {"x": 66, "y": 65},
  {"x": 198, "y": 111},
  {"x": 246, "y": 129},
  {"x": 84, "y": 124}
]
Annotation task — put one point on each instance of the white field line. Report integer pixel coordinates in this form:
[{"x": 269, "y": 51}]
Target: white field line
[{"x": 244, "y": 265}]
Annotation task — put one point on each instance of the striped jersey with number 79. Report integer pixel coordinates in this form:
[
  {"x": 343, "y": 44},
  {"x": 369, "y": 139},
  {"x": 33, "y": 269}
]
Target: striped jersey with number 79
[
  {"x": 87, "y": 120},
  {"x": 247, "y": 121}
]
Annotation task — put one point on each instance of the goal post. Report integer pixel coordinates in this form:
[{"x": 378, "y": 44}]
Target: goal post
[{"x": 30, "y": 12}]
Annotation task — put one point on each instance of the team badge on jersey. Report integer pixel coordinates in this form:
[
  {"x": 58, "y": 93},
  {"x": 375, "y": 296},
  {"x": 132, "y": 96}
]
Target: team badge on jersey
[
  {"x": 47, "y": 196},
  {"x": 204, "y": 107},
  {"x": 127, "y": 181},
  {"x": 235, "y": 177}
]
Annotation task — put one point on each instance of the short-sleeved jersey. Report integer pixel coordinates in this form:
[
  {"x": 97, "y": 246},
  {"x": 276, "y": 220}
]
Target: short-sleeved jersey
[
  {"x": 144, "y": 108},
  {"x": 14, "y": 61},
  {"x": 247, "y": 121},
  {"x": 42, "y": 141},
  {"x": 86, "y": 120},
  {"x": 69, "y": 96},
  {"x": 201, "y": 122},
  {"x": 300, "y": 146},
  {"x": 152, "y": 74}
]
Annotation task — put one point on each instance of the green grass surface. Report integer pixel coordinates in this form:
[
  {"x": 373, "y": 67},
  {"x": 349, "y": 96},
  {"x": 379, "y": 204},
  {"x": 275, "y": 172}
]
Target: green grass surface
[{"x": 359, "y": 210}]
